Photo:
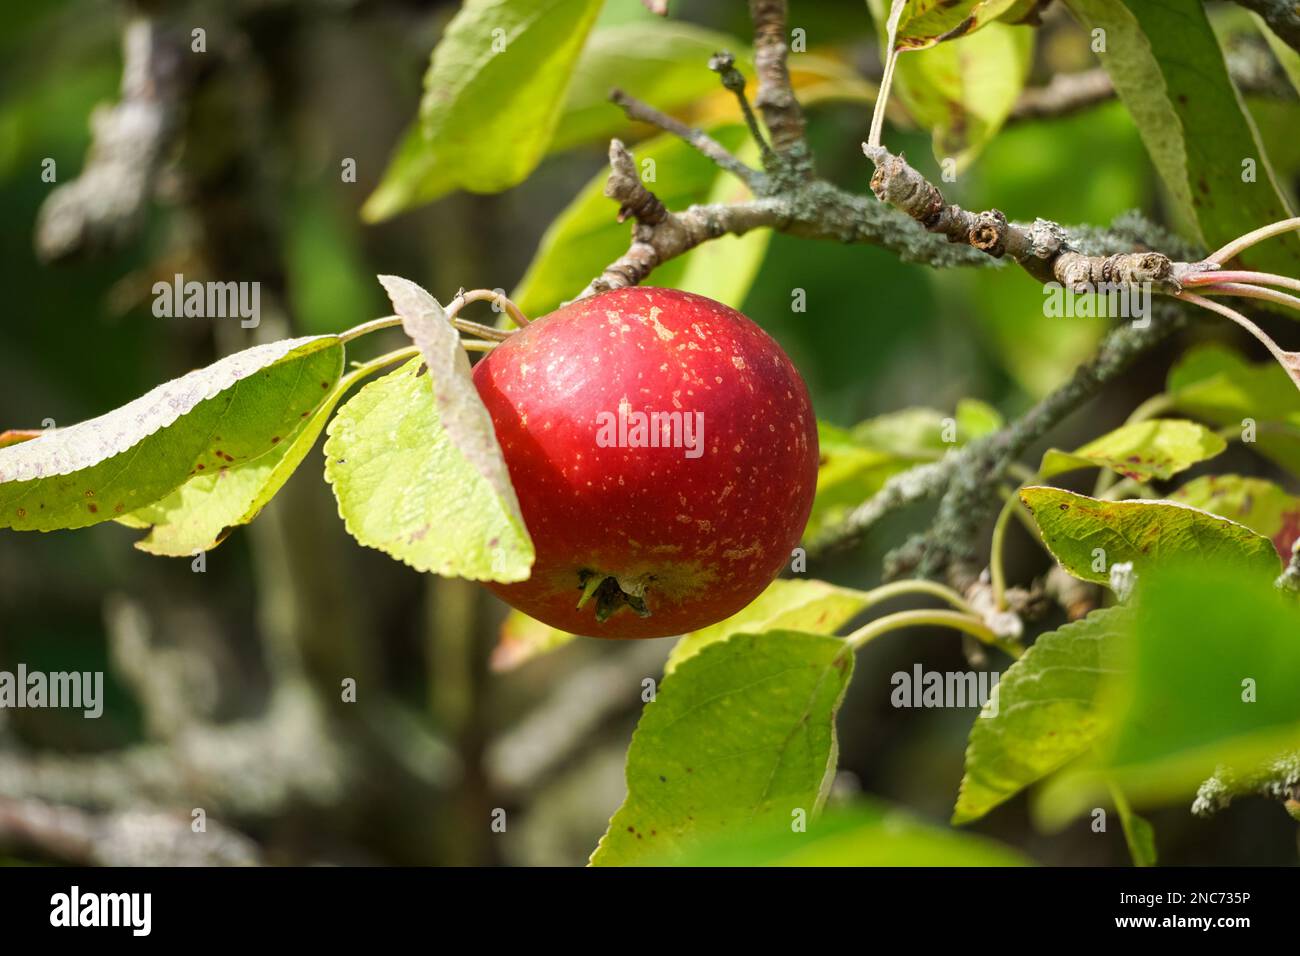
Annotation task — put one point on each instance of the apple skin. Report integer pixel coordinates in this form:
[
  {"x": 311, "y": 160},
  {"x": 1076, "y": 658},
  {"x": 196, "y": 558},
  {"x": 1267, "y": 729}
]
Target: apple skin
[{"x": 692, "y": 539}]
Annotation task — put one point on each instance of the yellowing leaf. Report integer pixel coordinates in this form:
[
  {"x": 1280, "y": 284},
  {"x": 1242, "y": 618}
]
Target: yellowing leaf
[
  {"x": 405, "y": 487},
  {"x": 1157, "y": 448},
  {"x": 523, "y": 638},
  {"x": 1255, "y": 502},
  {"x": 1089, "y": 536},
  {"x": 790, "y": 604},
  {"x": 924, "y": 23}
]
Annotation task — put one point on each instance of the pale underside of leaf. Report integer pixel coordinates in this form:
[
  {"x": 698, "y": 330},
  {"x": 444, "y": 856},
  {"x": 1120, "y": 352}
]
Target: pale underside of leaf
[
  {"x": 460, "y": 410},
  {"x": 225, "y": 415},
  {"x": 200, "y": 514}
]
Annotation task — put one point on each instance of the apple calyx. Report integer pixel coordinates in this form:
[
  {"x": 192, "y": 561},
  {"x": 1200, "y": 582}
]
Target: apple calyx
[{"x": 612, "y": 594}]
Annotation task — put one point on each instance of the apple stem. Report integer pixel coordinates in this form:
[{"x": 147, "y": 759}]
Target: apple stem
[
  {"x": 1214, "y": 277},
  {"x": 1242, "y": 243},
  {"x": 966, "y": 623},
  {"x": 497, "y": 298},
  {"x": 894, "y": 589},
  {"x": 462, "y": 299},
  {"x": 365, "y": 328},
  {"x": 1290, "y": 361}
]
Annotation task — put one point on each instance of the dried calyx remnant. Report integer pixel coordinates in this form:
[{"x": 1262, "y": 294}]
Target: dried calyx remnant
[
  {"x": 1041, "y": 247},
  {"x": 611, "y": 594}
]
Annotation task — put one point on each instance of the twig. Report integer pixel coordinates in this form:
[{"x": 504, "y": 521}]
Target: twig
[
  {"x": 660, "y": 235},
  {"x": 775, "y": 99},
  {"x": 1042, "y": 248},
  {"x": 706, "y": 144},
  {"x": 724, "y": 64},
  {"x": 1064, "y": 94}
]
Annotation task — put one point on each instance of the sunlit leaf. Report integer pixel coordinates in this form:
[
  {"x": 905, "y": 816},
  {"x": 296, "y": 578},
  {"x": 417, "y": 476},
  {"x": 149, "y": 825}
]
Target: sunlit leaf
[
  {"x": 791, "y": 604},
  {"x": 923, "y": 23},
  {"x": 198, "y": 515},
  {"x": 866, "y": 834},
  {"x": 224, "y": 416},
  {"x": 405, "y": 487},
  {"x": 492, "y": 99},
  {"x": 1089, "y": 536}
]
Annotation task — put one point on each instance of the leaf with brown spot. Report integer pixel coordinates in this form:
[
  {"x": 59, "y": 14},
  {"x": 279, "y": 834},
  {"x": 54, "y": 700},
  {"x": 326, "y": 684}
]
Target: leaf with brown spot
[
  {"x": 1089, "y": 536},
  {"x": 145, "y": 450}
]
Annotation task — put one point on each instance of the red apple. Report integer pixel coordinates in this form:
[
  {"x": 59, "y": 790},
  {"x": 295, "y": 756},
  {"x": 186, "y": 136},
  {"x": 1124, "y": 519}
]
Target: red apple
[{"x": 664, "y": 452}]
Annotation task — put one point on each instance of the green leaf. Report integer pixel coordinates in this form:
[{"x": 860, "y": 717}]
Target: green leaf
[
  {"x": 923, "y": 23},
  {"x": 492, "y": 99},
  {"x": 792, "y": 604},
  {"x": 1257, "y": 503},
  {"x": 523, "y": 638},
  {"x": 1089, "y": 536},
  {"x": 741, "y": 733},
  {"x": 586, "y": 237},
  {"x": 963, "y": 91},
  {"x": 1157, "y": 448},
  {"x": 405, "y": 487},
  {"x": 1046, "y": 714},
  {"x": 866, "y": 834},
  {"x": 224, "y": 416},
  {"x": 856, "y": 463},
  {"x": 664, "y": 62},
  {"x": 199, "y": 514},
  {"x": 849, "y": 473},
  {"x": 1220, "y": 386},
  {"x": 916, "y": 432},
  {"x": 1166, "y": 64},
  {"x": 1216, "y": 661},
  {"x": 975, "y": 419}
]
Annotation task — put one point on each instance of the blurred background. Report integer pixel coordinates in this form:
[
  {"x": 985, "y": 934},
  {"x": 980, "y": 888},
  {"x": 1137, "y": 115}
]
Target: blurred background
[{"x": 222, "y": 687}]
